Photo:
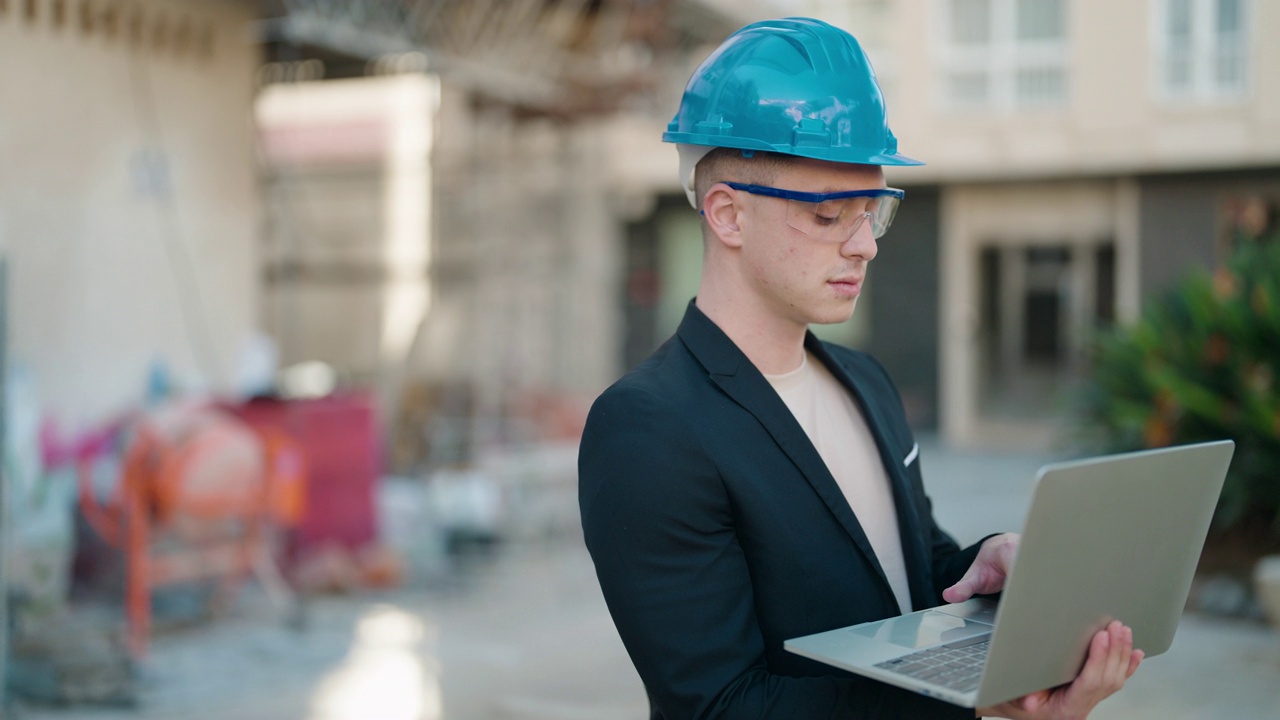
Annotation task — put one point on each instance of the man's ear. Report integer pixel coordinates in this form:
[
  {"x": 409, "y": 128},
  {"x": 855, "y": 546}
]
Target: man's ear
[{"x": 723, "y": 214}]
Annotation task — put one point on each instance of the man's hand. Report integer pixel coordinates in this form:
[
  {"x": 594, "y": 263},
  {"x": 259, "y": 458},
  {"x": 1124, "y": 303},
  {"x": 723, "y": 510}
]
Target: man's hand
[
  {"x": 989, "y": 569},
  {"x": 1112, "y": 660}
]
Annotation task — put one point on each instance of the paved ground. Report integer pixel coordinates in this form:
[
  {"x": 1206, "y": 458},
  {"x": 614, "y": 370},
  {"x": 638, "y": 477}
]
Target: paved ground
[{"x": 525, "y": 635}]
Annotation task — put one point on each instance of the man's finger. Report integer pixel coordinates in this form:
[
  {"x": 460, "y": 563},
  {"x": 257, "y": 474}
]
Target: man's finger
[
  {"x": 1095, "y": 663},
  {"x": 1120, "y": 647},
  {"x": 1032, "y": 701},
  {"x": 1135, "y": 659},
  {"x": 961, "y": 591},
  {"x": 1126, "y": 660}
]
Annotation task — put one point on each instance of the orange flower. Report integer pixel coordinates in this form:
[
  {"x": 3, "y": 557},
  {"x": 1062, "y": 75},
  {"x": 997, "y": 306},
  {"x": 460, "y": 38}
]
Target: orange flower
[
  {"x": 1253, "y": 217},
  {"x": 1261, "y": 300},
  {"x": 1224, "y": 283},
  {"x": 1216, "y": 349},
  {"x": 1157, "y": 432}
]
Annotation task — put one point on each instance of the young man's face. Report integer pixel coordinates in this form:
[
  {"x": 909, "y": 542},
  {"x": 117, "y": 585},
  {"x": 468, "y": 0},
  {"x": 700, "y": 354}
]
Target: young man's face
[{"x": 799, "y": 278}]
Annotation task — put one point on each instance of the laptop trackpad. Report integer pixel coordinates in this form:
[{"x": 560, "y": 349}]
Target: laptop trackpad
[{"x": 921, "y": 629}]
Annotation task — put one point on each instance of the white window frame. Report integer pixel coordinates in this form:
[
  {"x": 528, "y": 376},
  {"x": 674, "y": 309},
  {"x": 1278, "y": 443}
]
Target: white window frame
[
  {"x": 1203, "y": 87},
  {"x": 1000, "y": 60}
]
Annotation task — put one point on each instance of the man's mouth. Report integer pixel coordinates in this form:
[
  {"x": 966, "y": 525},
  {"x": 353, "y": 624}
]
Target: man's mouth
[{"x": 850, "y": 286}]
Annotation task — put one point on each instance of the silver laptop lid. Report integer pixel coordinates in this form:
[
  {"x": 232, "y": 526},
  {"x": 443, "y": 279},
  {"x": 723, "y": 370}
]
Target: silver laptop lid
[{"x": 1075, "y": 570}]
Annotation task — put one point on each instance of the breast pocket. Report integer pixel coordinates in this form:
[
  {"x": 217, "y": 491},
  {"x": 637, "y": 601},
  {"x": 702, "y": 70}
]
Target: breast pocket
[{"x": 911, "y": 456}]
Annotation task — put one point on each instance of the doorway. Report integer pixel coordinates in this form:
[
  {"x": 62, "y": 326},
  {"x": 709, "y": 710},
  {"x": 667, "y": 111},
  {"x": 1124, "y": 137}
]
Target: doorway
[
  {"x": 1040, "y": 306},
  {"x": 1029, "y": 274}
]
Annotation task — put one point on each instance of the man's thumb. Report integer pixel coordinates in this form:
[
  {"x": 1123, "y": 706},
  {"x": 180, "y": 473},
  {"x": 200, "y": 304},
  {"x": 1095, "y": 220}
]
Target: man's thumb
[{"x": 959, "y": 592}]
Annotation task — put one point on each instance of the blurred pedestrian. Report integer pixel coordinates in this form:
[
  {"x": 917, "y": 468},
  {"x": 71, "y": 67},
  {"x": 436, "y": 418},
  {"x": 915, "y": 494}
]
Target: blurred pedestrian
[{"x": 749, "y": 483}]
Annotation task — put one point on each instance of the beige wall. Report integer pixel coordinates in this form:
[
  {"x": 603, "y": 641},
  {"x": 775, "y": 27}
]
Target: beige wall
[
  {"x": 126, "y": 184},
  {"x": 1114, "y": 122}
]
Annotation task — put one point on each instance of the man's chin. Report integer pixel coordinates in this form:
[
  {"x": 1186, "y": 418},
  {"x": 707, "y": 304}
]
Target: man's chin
[{"x": 835, "y": 316}]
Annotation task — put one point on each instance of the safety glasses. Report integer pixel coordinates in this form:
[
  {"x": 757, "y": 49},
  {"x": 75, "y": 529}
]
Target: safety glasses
[{"x": 833, "y": 217}]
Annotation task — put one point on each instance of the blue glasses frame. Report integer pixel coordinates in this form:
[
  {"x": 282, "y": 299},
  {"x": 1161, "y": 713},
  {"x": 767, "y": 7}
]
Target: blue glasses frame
[
  {"x": 806, "y": 213},
  {"x": 815, "y": 197}
]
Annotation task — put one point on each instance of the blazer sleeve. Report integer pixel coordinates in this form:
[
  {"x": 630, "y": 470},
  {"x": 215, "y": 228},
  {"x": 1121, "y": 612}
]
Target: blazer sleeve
[{"x": 659, "y": 525}]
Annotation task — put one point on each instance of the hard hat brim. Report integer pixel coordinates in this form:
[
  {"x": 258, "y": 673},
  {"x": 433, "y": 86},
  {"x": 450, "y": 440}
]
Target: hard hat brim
[{"x": 849, "y": 155}]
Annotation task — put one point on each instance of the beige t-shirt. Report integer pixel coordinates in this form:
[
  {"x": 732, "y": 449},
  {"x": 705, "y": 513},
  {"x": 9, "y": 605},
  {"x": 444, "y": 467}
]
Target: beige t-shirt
[{"x": 837, "y": 429}]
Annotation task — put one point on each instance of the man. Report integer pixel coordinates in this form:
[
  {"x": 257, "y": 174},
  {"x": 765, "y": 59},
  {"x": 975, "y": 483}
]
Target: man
[{"x": 747, "y": 483}]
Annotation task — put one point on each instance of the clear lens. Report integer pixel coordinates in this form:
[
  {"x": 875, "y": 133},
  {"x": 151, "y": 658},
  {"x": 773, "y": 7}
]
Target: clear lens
[{"x": 838, "y": 220}]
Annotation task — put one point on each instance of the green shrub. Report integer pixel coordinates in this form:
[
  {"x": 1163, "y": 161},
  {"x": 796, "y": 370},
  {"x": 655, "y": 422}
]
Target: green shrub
[{"x": 1203, "y": 363}]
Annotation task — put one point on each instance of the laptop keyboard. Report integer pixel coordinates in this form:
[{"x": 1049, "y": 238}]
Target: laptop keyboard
[{"x": 957, "y": 665}]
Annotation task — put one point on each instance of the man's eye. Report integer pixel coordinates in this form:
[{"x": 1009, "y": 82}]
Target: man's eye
[{"x": 828, "y": 213}]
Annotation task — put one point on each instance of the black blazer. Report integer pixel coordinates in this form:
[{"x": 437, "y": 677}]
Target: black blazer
[{"x": 717, "y": 533}]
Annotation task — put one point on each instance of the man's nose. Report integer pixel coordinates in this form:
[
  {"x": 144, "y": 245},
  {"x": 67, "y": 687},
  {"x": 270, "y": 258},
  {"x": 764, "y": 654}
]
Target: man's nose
[{"x": 862, "y": 243}]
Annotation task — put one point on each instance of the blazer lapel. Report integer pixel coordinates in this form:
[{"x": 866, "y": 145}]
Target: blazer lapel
[
  {"x": 873, "y": 409},
  {"x": 743, "y": 382}
]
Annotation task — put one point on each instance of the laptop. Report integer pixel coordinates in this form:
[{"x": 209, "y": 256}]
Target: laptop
[{"x": 1106, "y": 538}]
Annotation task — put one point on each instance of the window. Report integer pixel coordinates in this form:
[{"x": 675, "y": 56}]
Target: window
[
  {"x": 1003, "y": 53},
  {"x": 1201, "y": 49},
  {"x": 971, "y": 22}
]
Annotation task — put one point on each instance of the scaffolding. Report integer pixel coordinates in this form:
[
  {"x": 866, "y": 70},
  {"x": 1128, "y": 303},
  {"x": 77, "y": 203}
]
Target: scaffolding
[{"x": 565, "y": 58}]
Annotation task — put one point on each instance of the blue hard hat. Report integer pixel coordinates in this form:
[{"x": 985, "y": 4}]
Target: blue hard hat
[{"x": 796, "y": 86}]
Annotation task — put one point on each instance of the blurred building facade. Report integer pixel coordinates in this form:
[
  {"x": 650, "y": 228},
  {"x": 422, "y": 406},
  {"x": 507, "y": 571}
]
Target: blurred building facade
[
  {"x": 448, "y": 189},
  {"x": 458, "y": 198},
  {"x": 449, "y": 211},
  {"x": 1081, "y": 154},
  {"x": 128, "y": 204}
]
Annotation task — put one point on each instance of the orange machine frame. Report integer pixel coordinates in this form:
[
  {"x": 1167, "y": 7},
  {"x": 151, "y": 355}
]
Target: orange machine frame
[{"x": 149, "y": 497}]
